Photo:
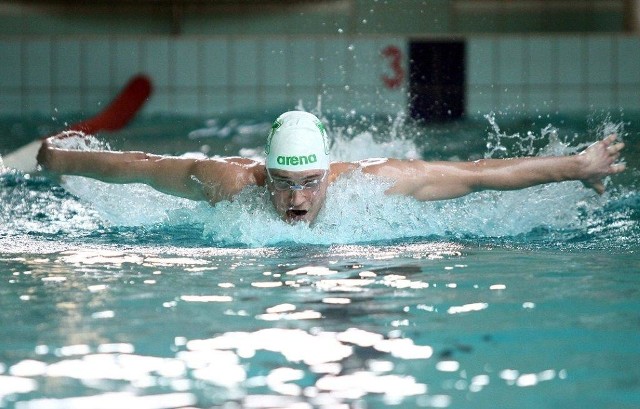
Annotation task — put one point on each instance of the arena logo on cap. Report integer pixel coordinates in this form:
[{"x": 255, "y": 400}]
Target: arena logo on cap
[{"x": 296, "y": 160}]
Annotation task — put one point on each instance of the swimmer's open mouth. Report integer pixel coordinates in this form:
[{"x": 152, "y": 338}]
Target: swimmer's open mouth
[{"x": 296, "y": 213}]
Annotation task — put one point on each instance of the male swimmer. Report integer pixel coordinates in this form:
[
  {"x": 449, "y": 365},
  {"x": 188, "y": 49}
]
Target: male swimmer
[{"x": 297, "y": 170}]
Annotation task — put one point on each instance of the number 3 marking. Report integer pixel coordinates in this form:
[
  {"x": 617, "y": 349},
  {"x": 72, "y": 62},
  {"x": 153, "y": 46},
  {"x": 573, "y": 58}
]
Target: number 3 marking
[{"x": 394, "y": 56}]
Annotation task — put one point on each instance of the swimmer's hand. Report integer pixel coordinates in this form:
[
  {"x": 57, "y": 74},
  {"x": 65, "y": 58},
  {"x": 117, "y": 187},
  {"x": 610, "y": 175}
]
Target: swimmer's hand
[
  {"x": 46, "y": 156},
  {"x": 599, "y": 161}
]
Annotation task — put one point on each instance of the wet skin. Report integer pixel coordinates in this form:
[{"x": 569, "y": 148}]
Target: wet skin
[{"x": 296, "y": 204}]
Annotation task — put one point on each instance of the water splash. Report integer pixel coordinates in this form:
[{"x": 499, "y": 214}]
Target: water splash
[
  {"x": 357, "y": 210},
  {"x": 548, "y": 142}
]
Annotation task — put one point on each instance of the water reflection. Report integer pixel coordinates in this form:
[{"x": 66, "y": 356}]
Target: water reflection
[
  {"x": 285, "y": 366},
  {"x": 309, "y": 365},
  {"x": 431, "y": 325}
]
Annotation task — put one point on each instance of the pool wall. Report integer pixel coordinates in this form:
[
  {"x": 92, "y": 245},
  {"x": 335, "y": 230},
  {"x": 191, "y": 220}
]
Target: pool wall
[{"x": 52, "y": 63}]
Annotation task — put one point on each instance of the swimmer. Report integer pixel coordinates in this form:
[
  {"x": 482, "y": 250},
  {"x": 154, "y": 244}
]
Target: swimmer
[{"x": 297, "y": 170}]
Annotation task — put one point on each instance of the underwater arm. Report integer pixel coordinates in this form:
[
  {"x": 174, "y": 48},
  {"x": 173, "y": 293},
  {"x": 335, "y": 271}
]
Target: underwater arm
[{"x": 448, "y": 180}]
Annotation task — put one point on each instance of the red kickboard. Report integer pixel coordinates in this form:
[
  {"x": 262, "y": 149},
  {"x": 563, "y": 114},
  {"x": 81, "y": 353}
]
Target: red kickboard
[{"x": 121, "y": 110}]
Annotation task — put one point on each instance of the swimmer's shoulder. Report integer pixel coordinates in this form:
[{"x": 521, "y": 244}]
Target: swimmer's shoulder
[
  {"x": 234, "y": 170},
  {"x": 337, "y": 169}
]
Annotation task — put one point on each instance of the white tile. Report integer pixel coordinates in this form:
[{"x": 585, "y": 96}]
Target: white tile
[
  {"x": 126, "y": 61},
  {"x": 571, "y": 99},
  {"x": 628, "y": 61},
  {"x": 307, "y": 96},
  {"x": 95, "y": 100},
  {"x": 481, "y": 61},
  {"x": 600, "y": 97},
  {"x": 216, "y": 103},
  {"x": 600, "y": 60},
  {"x": 571, "y": 60},
  {"x": 334, "y": 66},
  {"x": 186, "y": 63},
  {"x": 364, "y": 100},
  {"x": 215, "y": 62},
  {"x": 274, "y": 55},
  {"x": 67, "y": 101},
  {"x": 542, "y": 99},
  {"x": 512, "y": 98},
  {"x": 540, "y": 61},
  {"x": 278, "y": 99},
  {"x": 366, "y": 61},
  {"x": 186, "y": 103},
  {"x": 511, "y": 69},
  {"x": 393, "y": 101},
  {"x": 303, "y": 63},
  {"x": 11, "y": 103},
  {"x": 275, "y": 98},
  {"x": 38, "y": 102},
  {"x": 96, "y": 58},
  {"x": 159, "y": 103},
  {"x": 245, "y": 63},
  {"x": 336, "y": 100},
  {"x": 66, "y": 64},
  {"x": 244, "y": 101},
  {"x": 480, "y": 101},
  {"x": 155, "y": 61},
  {"x": 628, "y": 99},
  {"x": 37, "y": 69},
  {"x": 11, "y": 66}
]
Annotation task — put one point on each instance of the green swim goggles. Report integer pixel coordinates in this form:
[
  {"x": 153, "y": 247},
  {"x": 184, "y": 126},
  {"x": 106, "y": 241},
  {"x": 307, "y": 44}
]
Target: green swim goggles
[{"x": 311, "y": 183}]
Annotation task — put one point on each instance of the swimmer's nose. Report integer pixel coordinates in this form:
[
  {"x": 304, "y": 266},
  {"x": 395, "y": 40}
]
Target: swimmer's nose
[{"x": 297, "y": 197}]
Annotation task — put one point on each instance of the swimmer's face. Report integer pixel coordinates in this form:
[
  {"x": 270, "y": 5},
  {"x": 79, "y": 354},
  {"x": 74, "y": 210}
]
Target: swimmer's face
[{"x": 298, "y": 196}]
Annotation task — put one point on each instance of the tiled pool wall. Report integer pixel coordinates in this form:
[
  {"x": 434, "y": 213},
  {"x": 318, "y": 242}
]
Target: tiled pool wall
[{"x": 214, "y": 74}]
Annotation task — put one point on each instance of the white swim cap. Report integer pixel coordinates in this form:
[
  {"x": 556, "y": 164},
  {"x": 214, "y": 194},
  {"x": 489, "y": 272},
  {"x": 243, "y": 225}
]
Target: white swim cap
[{"x": 297, "y": 142}]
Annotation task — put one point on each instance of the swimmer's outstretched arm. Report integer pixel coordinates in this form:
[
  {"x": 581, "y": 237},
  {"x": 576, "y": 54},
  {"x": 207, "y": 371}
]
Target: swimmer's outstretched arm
[
  {"x": 210, "y": 180},
  {"x": 448, "y": 180}
]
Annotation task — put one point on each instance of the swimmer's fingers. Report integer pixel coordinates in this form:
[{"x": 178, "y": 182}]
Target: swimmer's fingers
[
  {"x": 613, "y": 155},
  {"x": 597, "y": 185},
  {"x": 69, "y": 134},
  {"x": 609, "y": 139},
  {"x": 600, "y": 160},
  {"x": 608, "y": 143},
  {"x": 44, "y": 152},
  {"x": 50, "y": 141},
  {"x": 615, "y": 148},
  {"x": 617, "y": 168},
  {"x": 606, "y": 152}
]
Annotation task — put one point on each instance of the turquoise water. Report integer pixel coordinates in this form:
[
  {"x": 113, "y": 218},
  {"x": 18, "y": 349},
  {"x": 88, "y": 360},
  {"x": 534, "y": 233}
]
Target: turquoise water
[{"x": 116, "y": 296}]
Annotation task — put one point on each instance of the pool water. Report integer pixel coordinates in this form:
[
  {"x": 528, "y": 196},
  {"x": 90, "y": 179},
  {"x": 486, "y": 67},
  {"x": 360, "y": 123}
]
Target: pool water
[{"x": 118, "y": 296}]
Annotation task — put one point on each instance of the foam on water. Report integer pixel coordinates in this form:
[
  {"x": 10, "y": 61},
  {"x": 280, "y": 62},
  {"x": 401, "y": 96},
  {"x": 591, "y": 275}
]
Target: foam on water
[{"x": 357, "y": 210}]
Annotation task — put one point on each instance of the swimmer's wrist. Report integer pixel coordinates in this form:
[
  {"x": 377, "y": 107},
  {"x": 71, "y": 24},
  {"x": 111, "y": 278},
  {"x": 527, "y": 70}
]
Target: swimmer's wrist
[{"x": 577, "y": 169}]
